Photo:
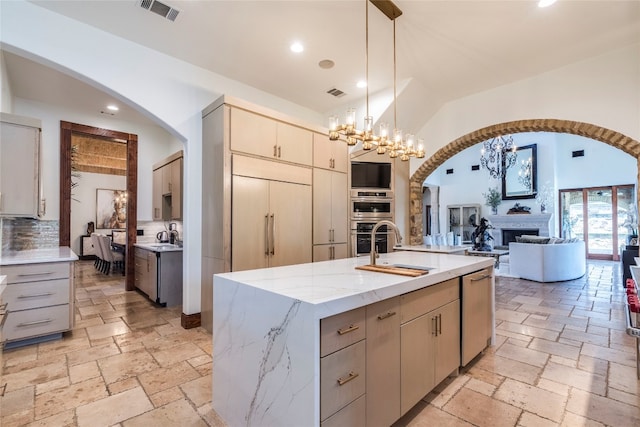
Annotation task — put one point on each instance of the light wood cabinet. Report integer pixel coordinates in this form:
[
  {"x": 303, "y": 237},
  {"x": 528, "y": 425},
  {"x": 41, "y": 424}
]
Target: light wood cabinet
[
  {"x": 20, "y": 182},
  {"x": 430, "y": 339},
  {"x": 330, "y": 226},
  {"x": 146, "y": 272},
  {"x": 330, "y": 252},
  {"x": 476, "y": 313},
  {"x": 265, "y": 137},
  {"x": 327, "y": 154},
  {"x": 40, "y": 299},
  {"x": 383, "y": 362},
  {"x": 167, "y": 188},
  {"x": 272, "y": 223}
]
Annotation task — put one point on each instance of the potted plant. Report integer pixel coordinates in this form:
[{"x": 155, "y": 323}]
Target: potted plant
[{"x": 493, "y": 198}]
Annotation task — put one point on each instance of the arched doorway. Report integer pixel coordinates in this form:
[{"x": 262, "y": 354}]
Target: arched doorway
[{"x": 607, "y": 136}]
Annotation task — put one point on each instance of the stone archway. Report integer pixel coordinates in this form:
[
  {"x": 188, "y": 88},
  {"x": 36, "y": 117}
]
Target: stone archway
[{"x": 613, "y": 138}]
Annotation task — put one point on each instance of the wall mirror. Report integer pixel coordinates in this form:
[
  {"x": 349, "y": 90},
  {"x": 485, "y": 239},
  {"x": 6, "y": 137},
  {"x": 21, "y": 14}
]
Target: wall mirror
[{"x": 520, "y": 180}]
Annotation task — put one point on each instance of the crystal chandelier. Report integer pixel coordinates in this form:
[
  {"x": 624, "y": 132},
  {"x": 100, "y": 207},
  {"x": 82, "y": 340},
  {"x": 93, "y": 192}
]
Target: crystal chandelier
[
  {"x": 497, "y": 155},
  {"x": 396, "y": 145},
  {"x": 524, "y": 174}
]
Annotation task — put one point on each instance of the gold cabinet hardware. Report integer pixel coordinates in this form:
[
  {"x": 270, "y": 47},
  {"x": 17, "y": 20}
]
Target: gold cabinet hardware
[
  {"x": 348, "y": 329},
  {"x": 477, "y": 279},
  {"x": 386, "y": 315},
  {"x": 352, "y": 376}
]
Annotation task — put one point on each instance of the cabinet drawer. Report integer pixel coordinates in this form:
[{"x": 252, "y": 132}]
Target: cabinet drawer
[
  {"x": 36, "y": 272},
  {"x": 352, "y": 415},
  {"x": 22, "y": 296},
  {"x": 341, "y": 330},
  {"x": 36, "y": 322},
  {"x": 342, "y": 378},
  {"x": 419, "y": 302}
]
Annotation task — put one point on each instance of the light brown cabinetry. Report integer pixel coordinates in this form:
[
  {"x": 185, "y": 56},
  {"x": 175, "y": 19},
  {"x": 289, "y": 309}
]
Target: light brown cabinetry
[
  {"x": 330, "y": 227},
  {"x": 40, "y": 298},
  {"x": 167, "y": 188},
  {"x": 327, "y": 154},
  {"x": 476, "y": 313},
  {"x": 383, "y": 362},
  {"x": 271, "y": 219},
  {"x": 342, "y": 366},
  {"x": 146, "y": 277},
  {"x": 430, "y": 339},
  {"x": 265, "y": 137},
  {"x": 20, "y": 182}
]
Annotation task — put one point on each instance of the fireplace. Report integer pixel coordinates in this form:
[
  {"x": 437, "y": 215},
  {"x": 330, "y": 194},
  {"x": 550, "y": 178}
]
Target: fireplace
[
  {"x": 510, "y": 234},
  {"x": 537, "y": 224}
]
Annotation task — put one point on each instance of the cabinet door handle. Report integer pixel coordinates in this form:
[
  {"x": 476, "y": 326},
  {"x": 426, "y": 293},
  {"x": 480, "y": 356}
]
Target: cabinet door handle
[
  {"x": 275, "y": 150},
  {"x": 4, "y": 315},
  {"x": 35, "y": 322},
  {"x": 352, "y": 376},
  {"x": 3, "y": 388},
  {"x": 279, "y": 152},
  {"x": 35, "y": 274},
  {"x": 477, "y": 279},
  {"x": 439, "y": 324},
  {"x": 273, "y": 234},
  {"x": 266, "y": 234},
  {"x": 348, "y": 329},
  {"x": 329, "y": 234},
  {"x": 46, "y": 294},
  {"x": 434, "y": 326},
  {"x": 386, "y": 315}
]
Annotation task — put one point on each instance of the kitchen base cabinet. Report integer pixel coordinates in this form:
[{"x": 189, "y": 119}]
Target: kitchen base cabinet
[
  {"x": 329, "y": 252},
  {"x": 40, "y": 301},
  {"x": 476, "y": 313}
]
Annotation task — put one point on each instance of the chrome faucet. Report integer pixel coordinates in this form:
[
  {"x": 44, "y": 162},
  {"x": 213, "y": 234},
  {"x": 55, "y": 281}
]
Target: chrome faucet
[{"x": 374, "y": 254}]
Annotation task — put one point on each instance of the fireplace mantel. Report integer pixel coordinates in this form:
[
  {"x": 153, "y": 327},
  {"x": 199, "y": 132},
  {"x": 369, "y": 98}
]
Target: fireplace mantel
[{"x": 515, "y": 221}]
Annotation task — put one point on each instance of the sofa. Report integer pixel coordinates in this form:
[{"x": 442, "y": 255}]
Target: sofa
[{"x": 552, "y": 261}]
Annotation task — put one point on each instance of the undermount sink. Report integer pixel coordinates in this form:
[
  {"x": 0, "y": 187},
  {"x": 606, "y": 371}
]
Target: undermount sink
[{"x": 162, "y": 246}]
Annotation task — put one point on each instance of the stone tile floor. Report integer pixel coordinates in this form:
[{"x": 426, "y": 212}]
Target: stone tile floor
[{"x": 561, "y": 358}]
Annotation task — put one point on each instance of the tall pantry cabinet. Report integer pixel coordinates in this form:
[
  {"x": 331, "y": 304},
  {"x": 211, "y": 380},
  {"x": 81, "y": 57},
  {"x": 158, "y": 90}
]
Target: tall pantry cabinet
[{"x": 258, "y": 195}]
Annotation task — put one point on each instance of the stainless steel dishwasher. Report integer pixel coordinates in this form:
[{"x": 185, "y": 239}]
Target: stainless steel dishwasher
[{"x": 159, "y": 274}]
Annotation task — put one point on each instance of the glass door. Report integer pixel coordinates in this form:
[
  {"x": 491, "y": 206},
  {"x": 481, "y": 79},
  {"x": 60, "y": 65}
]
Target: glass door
[{"x": 599, "y": 216}]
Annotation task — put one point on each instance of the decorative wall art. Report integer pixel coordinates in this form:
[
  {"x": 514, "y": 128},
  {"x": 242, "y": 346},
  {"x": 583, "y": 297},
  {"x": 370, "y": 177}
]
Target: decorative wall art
[{"x": 111, "y": 208}]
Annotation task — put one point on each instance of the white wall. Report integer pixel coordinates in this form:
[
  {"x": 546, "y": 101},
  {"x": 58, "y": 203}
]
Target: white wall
[
  {"x": 601, "y": 165},
  {"x": 602, "y": 91}
]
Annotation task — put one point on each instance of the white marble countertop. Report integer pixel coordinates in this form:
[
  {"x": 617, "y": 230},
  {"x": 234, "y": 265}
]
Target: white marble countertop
[
  {"x": 442, "y": 249},
  {"x": 336, "y": 286},
  {"x": 159, "y": 247},
  {"x": 37, "y": 256}
]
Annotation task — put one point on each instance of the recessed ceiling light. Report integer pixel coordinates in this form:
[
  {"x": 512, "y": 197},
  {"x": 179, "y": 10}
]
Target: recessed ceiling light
[
  {"x": 296, "y": 47},
  {"x": 546, "y": 3},
  {"x": 112, "y": 108},
  {"x": 362, "y": 84}
]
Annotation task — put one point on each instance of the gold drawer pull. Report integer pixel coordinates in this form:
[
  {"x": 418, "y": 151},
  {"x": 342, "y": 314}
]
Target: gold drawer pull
[
  {"x": 3, "y": 388},
  {"x": 35, "y": 322},
  {"x": 46, "y": 294},
  {"x": 386, "y": 315},
  {"x": 352, "y": 376},
  {"x": 348, "y": 329},
  {"x": 476, "y": 279}
]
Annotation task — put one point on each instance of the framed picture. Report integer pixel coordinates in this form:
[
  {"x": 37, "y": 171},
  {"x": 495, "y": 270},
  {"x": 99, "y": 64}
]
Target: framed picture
[
  {"x": 520, "y": 180},
  {"x": 111, "y": 208}
]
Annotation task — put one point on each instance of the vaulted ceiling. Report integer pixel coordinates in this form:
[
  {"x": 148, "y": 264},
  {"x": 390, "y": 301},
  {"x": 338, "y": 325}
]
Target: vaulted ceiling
[{"x": 445, "y": 49}]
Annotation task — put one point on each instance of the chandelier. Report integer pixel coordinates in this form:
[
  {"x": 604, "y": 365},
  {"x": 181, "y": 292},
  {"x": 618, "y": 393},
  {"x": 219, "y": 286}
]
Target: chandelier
[
  {"x": 404, "y": 146},
  {"x": 497, "y": 155},
  {"x": 524, "y": 174}
]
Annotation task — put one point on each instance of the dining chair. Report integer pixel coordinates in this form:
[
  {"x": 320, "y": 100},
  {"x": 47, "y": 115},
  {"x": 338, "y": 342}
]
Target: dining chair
[
  {"x": 97, "y": 246},
  {"x": 112, "y": 258}
]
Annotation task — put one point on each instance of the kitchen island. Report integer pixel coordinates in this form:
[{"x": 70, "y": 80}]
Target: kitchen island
[{"x": 280, "y": 335}]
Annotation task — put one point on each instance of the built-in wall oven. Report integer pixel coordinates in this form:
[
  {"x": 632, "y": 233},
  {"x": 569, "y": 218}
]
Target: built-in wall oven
[{"x": 368, "y": 206}]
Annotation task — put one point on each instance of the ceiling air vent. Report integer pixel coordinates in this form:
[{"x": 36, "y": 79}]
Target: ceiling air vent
[
  {"x": 159, "y": 8},
  {"x": 336, "y": 92}
]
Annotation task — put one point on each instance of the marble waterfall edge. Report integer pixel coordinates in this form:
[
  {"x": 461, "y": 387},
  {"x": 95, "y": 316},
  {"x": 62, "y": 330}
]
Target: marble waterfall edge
[{"x": 268, "y": 336}]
